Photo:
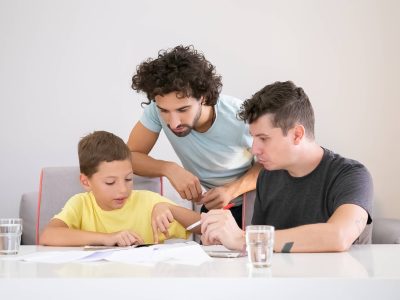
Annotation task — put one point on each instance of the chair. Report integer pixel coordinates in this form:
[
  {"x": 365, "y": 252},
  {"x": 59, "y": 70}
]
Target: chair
[
  {"x": 248, "y": 208},
  {"x": 58, "y": 184},
  {"x": 386, "y": 231}
]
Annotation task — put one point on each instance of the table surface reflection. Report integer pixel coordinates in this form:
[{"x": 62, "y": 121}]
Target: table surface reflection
[{"x": 370, "y": 270}]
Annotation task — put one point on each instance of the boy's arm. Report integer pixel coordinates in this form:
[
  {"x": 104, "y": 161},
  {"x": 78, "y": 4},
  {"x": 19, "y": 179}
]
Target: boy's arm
[
  {"x": 164, "y": 214},
  {"x": 57, "y": 233},
  {"x": 186, "y": 217}
]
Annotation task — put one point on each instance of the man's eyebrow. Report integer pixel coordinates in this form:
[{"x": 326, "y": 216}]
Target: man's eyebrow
[
  {"x": 159, "y": 107},
  {"x": 179, "y": 108},
  {"x": 259, "y": 135}
]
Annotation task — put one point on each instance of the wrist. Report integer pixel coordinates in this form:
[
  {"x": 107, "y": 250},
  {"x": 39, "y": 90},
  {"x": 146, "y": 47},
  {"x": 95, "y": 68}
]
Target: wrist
[
  {"x": 172, "y": 208},
  {"x": 240, "y": 244},
  {"x": 100, "y": 239},
  {"x": 168, "y": 168},
  {"x": 232, "y": 190}
]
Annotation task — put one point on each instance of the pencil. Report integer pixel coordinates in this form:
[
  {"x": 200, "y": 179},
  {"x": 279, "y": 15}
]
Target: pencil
[{"x": 195, "y": 224}]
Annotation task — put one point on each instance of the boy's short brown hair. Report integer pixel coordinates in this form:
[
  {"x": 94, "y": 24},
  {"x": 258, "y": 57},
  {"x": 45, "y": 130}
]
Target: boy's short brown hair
[{"x": 98, "y": 147}]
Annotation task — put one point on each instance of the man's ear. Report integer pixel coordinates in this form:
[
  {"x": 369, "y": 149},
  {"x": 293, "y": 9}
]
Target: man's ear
[
  {"x": 85, "y": 182},
  {"x": 299, "y": 132},
  {"x": 202, "y": 100}
]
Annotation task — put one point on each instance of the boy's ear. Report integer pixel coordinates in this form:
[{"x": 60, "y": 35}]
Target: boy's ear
[{"x": 85, "y": 182}]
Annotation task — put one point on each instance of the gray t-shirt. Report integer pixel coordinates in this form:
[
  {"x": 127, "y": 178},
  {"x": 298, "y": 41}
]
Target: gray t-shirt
[{"x": 285, "y": 201}]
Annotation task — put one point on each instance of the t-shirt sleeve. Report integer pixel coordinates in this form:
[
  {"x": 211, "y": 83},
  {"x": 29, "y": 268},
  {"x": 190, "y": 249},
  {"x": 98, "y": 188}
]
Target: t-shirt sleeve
[
  {"x": 354, "y": 186},
  {"x": 150, "y": 118},
  {"x": 247, "y": 140},
  {"x": 71, "y": 214}
]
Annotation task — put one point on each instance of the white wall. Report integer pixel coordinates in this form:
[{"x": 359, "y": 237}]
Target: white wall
[{"x": 66, "y": 67}]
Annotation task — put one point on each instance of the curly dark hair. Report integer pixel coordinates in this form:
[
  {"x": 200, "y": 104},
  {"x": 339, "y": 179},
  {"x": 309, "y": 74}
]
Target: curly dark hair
[
  {"x": 183, "y": 70},
  {"x": 288, "y": 103}
]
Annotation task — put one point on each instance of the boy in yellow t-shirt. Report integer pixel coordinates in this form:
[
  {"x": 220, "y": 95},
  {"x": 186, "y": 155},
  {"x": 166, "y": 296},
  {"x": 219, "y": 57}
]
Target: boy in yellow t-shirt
[{"x": 110, "y": 212}]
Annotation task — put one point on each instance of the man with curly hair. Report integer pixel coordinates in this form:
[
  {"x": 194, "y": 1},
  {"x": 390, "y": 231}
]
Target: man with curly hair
[{"x": 183, "y": 92}]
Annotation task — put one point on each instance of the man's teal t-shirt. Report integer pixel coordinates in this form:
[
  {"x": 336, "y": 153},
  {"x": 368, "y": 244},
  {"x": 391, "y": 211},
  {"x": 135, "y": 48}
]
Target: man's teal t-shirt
[{"x": 218, "y": 156}]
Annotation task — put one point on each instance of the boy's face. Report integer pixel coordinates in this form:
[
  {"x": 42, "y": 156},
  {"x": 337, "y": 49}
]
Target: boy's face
[
  {"x": 273, "y": 150},
  {"x": 111, "y": 184},
  {"x": 180, "y": 114}
]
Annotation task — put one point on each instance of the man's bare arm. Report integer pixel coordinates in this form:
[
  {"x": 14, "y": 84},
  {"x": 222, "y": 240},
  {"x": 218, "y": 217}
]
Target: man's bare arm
[{"x": 141, "y": 141}]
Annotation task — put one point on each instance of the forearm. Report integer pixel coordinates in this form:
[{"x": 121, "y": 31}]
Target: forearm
[
  {"x": 321, "y": 237},
  {"x": 145, "y": 165},
  {"x": 60, "y": 236},
  {"x": 245, "y": 183},
  {"x": 186, "y": 217}
]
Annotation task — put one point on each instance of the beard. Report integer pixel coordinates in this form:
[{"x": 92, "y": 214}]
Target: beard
[
  {"x": 182, "y": 133},
  {"x": 188, "y": 128}
]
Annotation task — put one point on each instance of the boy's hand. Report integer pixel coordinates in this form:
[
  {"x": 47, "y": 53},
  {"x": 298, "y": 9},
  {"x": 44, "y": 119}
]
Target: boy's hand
[
  {"x": 161, "y": 218},
  {"x": 123, "y": 239}
]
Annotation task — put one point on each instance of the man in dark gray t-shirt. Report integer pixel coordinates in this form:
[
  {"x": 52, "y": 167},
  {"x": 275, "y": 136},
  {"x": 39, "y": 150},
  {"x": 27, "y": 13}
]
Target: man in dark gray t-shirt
[
  {"x": 286, "y": 201},
  {"x": 317, "y": 200}
]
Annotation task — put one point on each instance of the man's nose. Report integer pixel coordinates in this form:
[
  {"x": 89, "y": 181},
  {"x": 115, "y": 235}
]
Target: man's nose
[
  {"x": 255, "y": 149},
  {"x": 174, "y": 121}
]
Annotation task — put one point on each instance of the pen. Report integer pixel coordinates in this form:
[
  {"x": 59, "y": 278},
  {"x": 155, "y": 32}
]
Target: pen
[{"x": 195, "y": 224}]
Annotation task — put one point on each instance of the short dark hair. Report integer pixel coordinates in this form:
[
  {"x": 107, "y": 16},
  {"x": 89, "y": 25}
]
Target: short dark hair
[
  {"x": 98, "y": 147},
  {"x": 183, "y": 70},
  {"x": 286, "y": 102}
]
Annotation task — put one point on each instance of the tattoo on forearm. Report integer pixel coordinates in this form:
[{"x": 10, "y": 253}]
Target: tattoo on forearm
[{"x": 287, "y": 247}]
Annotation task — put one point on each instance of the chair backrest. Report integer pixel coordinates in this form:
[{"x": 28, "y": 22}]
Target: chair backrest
[
  {"x": 58, "y": 184},
  {"x": 386, "y": 231},
  {"x": 248, "y": 208}
]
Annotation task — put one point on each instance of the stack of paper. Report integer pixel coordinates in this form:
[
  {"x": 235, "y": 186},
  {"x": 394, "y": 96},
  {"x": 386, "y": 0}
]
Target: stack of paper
[{"x": 183, "y": 253}]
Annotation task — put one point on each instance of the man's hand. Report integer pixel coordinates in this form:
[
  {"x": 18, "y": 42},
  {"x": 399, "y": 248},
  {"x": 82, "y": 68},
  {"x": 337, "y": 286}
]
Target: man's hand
[
  {"x": 123, "y": 239},
  {"x": 216, "y": 197},
  {"x": 219, "y": 227},
  {"x": 185, "y": 183},
  {"x": 161, "y": 218}
]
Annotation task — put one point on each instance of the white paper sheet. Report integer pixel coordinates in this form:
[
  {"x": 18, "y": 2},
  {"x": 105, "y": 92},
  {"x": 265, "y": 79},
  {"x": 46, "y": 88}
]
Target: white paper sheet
[{"x": 189, "y": 253}]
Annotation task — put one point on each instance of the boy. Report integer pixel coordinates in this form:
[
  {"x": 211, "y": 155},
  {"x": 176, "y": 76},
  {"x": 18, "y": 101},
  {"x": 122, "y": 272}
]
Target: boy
[{"x": 110, "y": 213}]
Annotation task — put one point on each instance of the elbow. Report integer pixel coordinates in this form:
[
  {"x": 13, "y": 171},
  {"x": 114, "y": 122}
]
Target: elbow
[
  {"x": 43, "y": 239},
  {"x": 341, "y": 241}
]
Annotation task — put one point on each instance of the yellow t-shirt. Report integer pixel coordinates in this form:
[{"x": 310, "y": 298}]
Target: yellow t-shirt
[{"x": 82, "y": 212}]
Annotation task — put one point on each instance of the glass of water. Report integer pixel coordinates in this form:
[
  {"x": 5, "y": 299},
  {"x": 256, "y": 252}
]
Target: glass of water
[
  {"x": 260, "y": 244},
  {"x": 10, "y": 235}
]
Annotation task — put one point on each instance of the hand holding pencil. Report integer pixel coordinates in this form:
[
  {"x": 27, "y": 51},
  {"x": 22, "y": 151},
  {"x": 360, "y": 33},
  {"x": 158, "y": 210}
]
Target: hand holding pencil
[
  {"x": 219, "y": 227},
  {"x": 194, "y": 225}
]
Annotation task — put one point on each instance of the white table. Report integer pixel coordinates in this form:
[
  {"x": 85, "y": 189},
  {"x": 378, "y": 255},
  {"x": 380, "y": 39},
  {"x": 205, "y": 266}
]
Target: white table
[{"x": 364, "y": 272}]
